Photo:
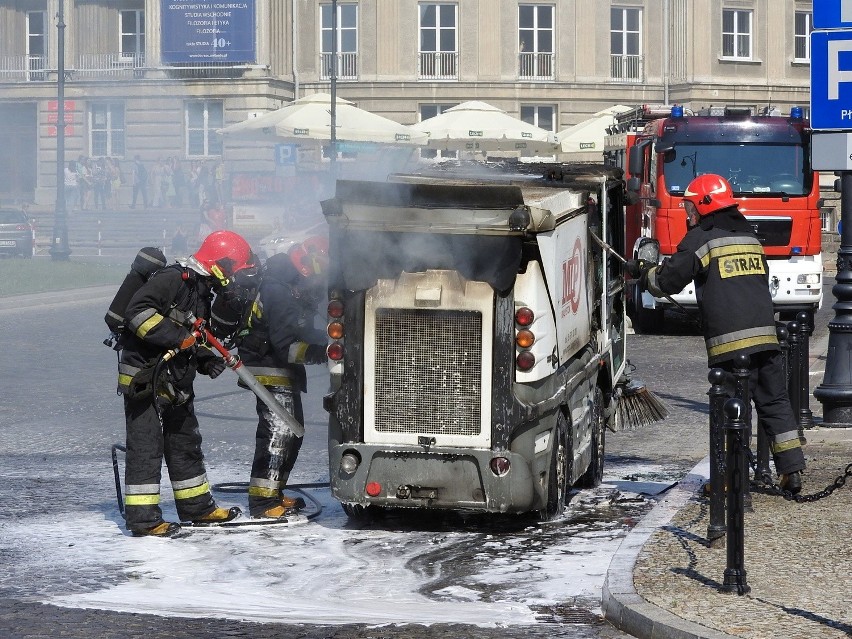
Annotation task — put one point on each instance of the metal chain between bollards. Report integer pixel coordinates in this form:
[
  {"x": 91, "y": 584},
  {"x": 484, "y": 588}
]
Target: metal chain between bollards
[{"x": 775, "y": 489}]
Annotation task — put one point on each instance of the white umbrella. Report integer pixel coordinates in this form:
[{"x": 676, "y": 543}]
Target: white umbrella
[
  {"x": 478, "y": 126},
  {"x": 308, "y": 119},
  {"x": 588, "y": 136}
]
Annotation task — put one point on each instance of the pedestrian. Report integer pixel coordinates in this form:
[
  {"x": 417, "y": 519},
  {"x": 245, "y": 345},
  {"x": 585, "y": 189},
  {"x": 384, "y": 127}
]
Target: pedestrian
[
  {"x": 277, "y": 341},
  {"x": 157, "y": 368},
  {"x": 140, "y": 182},
  {"x": 722, "y": 255},
  {"x": 72, "y": 190},
  {"x": 180, "y": 245}
]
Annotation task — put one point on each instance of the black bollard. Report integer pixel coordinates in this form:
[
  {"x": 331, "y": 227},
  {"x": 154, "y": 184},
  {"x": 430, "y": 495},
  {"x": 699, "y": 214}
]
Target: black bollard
[
  {"x": 736, "y": 475},
  {"x": 742, "y": 375},
  {"x": 716, "y": 528},
  {"x": 806, "y": 329},
  {"x": 794, "y": 377}
]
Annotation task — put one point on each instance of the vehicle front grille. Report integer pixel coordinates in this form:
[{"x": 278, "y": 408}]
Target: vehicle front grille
[
  {"x": 772, "y": 231},
  {"x": 428, "y": 371}
]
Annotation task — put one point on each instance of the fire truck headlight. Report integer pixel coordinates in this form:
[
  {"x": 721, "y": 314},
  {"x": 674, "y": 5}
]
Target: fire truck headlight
[
  {"x": 349, "y": 462},
  {"x": 499, "y": 466},
  {"x": 807, "y": 278},
  {"x": 525, "y": 360}
]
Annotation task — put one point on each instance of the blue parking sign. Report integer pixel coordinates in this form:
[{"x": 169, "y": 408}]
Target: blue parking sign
[
  {"x": 831, "y": 79},
  {"x": 832, "y": 14}
]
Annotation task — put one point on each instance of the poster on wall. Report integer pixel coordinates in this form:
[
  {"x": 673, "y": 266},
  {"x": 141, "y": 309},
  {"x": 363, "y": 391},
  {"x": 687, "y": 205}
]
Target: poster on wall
[{"x": 204, "y": 31}]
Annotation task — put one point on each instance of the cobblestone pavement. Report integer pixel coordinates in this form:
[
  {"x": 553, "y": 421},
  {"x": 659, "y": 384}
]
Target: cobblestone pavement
[{"x": 797, "y": 556}]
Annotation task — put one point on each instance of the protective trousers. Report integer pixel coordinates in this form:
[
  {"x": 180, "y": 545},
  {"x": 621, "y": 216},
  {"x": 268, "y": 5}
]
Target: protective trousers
[
  {"x": 768, "y": 389},
  {"x": 275, "y": 452},
  {"x": 148, "y": 441}
]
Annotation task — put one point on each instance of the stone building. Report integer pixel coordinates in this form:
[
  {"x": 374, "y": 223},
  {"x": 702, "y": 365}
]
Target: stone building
[{"x": 156, "y": 78}]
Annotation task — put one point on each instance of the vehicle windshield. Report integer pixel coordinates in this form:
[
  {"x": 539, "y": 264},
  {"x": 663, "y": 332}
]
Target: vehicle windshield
[
  {"x": 12, "y": 217},
  {"x": 752, "y": 169}
]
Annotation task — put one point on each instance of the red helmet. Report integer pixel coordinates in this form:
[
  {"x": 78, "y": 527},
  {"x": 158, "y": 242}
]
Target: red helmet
[
  {"x": 222, "y": 254},
  {"x": 310, "y": 257},
  {"x": 709, "y": 193}
]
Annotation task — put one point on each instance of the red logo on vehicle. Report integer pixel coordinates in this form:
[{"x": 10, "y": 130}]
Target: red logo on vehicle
[{"x": 572, "y": 277}]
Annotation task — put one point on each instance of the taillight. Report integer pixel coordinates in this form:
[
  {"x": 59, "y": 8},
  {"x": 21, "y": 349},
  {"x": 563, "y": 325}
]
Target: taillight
[
  {"x": 335, "y": 329},
  {"x": 499, "y": 466},
  {"x": 524, "y": 338},
  {"x": 524, "y": 316},
  {"x": 22, "y": 227},
  {"x": 525, "y": 361}
]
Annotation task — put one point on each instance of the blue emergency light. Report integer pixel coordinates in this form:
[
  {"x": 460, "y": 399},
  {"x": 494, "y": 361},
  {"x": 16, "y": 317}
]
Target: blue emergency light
[
  {"x": 796, "y": 113},
  {"x": 677, "y": 111}
]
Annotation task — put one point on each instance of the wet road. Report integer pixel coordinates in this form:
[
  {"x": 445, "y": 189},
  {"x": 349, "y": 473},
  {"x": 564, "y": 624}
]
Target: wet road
[{"x": 61, "y": 539}]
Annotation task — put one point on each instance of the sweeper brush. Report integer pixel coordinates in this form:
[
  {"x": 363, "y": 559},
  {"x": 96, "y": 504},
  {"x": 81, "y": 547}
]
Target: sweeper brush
[{"x": 637, "y": 406}]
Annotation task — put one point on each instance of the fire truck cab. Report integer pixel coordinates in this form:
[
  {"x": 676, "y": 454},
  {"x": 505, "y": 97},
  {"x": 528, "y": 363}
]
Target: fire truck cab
[{"x": 765, "y": 157}]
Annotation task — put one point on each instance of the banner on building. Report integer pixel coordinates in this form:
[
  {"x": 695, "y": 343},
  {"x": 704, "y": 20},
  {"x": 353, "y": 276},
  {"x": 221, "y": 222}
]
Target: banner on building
[{"x": 206, "y": 31}]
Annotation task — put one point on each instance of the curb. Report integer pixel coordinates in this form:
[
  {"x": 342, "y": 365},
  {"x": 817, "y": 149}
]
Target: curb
[{"x": 85, "y": 294}]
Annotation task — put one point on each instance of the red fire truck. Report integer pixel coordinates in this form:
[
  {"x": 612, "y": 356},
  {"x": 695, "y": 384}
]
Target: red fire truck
[{"x": 766, "y": 158}]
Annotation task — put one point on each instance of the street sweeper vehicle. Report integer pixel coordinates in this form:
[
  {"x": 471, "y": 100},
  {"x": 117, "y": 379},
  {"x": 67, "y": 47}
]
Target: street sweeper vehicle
[{"x": 476, "y": 338}]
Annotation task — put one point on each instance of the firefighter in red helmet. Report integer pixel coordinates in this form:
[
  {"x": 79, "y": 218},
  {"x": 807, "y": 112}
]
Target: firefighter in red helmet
[
  {"x": 724, "y": 258},
  {"x": 157, "y": 367},
  {"x": 275, "y": 342}
]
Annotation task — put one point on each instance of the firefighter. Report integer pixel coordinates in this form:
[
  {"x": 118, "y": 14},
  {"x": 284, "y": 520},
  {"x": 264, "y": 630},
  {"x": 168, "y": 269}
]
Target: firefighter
[
  {"x": 157, "y": 368},
  {"x": 278, "y": 340},
  {"x": 721, "y": 253}
]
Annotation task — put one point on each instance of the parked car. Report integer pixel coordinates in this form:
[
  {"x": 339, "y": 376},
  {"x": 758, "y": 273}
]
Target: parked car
[
  {"x": 281, "y": 241},
  {"x": 17, "y": 233}
]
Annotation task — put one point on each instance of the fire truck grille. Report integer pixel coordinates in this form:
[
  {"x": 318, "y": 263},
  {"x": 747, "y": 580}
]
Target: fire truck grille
[
  {"x": 428, "y": 371},
  {"x": 772, "y": 232}
]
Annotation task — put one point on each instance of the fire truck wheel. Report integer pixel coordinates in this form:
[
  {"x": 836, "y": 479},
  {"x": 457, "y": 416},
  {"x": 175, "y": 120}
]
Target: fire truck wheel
[
  {"x": 594, "y": 473},
  {"x": 560, "y": 470}
]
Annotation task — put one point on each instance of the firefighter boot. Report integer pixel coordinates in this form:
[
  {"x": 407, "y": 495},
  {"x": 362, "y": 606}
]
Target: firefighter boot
[
  {"x": 287, "y": 505},
  {"x": 163, "y": 529},
  {"x": 219, "y": 515},
  {"x": 792, "y": 482}
]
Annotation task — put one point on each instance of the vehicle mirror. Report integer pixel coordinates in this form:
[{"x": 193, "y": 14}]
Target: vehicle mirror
[
  {"x": 634, "y": 184},
  {"x": 636, "y": 160},
  {"x": 648, "y": 250}
]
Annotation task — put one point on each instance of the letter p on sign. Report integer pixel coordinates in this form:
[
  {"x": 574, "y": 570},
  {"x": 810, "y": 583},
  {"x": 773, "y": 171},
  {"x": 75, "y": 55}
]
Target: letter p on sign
[{"x": 835, "y": 74}]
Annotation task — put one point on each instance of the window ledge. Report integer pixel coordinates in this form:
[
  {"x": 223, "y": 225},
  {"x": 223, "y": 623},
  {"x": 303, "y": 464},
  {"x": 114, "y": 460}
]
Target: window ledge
[
  {"x": 724, "y": 60},
  {"x": 800, "y": 62}
]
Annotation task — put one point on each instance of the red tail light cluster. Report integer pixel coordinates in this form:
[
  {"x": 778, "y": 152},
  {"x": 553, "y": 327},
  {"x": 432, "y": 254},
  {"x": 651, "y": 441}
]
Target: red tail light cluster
[
  {"x": 335, "y": 330},
  {"x": 524, "y": 338}
]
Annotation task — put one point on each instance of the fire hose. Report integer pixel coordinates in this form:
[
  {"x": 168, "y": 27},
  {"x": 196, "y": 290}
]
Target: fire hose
[{"x": 203, "y": 334}]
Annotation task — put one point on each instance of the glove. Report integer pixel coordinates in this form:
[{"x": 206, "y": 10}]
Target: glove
[
  {"x": 188, "y": 342},
  {"x": 315, "y": 354},
  {"x": 213, "y": 367},
  {"x": 634, "y": 268},
  {"x": 643, "y": 280}
]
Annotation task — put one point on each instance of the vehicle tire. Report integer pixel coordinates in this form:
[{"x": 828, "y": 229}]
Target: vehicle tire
[
  {"x": 594, "y": 473},
  {"x": 558, "y": 478},
  {"x": 646, "y": 320}
]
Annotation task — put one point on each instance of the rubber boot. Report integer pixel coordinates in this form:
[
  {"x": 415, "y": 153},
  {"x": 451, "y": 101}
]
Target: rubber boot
[
  {"x": 792, "y": 482},
  {"x": 165, "y": 529},
  {"x": 219, "y": 515}
]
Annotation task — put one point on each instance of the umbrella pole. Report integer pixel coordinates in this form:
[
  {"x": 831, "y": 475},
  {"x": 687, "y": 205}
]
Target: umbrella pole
[{"x": 333, "y": 164}]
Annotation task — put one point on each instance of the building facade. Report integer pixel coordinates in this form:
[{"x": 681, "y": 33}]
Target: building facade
[{"x": 157, "y": 78}]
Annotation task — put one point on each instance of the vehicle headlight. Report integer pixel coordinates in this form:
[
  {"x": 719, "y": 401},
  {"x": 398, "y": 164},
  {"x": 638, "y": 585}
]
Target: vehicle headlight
[{"x": 809, "y": 278}]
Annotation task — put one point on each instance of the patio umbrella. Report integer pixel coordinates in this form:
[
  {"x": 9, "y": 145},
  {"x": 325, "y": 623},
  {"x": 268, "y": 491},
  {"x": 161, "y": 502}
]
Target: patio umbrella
[
  {"x": 588, "y": 136},
  {"x": 308, "y": 120},
  {"x": 478, "y": 126}
]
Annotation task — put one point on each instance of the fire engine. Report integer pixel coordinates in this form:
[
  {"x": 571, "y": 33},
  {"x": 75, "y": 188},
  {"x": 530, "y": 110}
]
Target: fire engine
[{"x": 765, "y": 157}]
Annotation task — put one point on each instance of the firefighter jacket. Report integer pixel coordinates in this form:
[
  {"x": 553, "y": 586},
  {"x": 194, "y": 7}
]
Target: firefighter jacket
[
  {"x": 726, "y": 261},
  {"x": 158, "y": 321},
  {"x": 280, "y": 336}
]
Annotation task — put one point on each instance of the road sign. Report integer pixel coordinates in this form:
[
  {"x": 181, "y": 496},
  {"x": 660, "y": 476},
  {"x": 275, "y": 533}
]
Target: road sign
[
  {"x": 833, "y": 14},
  {"x": 831, "y": 151},
  {"x": 831, "y": 79}
]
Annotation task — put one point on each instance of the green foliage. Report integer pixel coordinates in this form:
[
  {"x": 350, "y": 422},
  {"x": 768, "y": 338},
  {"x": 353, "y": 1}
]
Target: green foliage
[{"x": 20, "y": 276}]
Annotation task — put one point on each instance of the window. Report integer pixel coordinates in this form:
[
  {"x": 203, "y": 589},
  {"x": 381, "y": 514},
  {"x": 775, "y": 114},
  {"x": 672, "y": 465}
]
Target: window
[
  {"x": 438, "y": 56},
  {"x": 347, "y": 41},
  {"x": 36, "y": 44},
  {"x": 203, "y": 117},
  {"x": 430, "y": 111},
  {"x": 802, "y": 37},
  {"x": 736, "y": 34},
  {"x": 625, "y": 37},
  {"x": 132, "y": 34},
  {"x": 540, "y": 116},
  {"x": 106, "y": 129},
  {"x": 535, "y": 41}
]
